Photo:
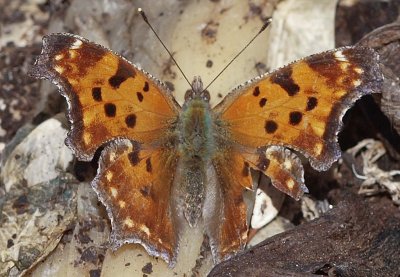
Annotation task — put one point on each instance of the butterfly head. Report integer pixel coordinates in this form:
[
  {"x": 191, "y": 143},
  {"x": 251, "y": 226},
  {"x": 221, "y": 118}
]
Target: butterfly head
[{"x": 197, "y": 91}]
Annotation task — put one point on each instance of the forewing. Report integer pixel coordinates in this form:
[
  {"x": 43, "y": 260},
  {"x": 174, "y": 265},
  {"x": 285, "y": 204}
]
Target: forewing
[
  {"x": 301, "y": 105},
  {"x": 111, "y": 100},
  {"x": 108, "y": 97}
]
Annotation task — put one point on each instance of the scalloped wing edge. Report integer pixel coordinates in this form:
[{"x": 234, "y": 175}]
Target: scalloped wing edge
[
  {"x": 42, "y": 69},
  {"x": 115, "y": 240},
  {"x": 373, "y": 85}
]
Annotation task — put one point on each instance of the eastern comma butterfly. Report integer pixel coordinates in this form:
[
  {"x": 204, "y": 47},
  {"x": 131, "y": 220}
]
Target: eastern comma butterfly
[{"x": 164, "y": 164}]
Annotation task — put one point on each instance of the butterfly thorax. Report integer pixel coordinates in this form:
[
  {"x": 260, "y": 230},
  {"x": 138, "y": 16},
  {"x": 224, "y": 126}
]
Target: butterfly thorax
[
  {"x": 195, "y": 124},
  {"x": 196, "y": 146}
]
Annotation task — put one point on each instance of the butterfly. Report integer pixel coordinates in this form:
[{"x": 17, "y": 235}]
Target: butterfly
[{"x": 164, "y": 165}]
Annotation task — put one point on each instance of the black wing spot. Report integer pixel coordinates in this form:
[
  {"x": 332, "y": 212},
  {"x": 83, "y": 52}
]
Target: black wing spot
[
  {"x": 312, "y": 102},
  {"x": 124, "y": 72},
  {"x": 134, "y": 158},
  {"x": 110, "y": 109},
  {"x": 262, "y": 102},
  {"x": 283, "y": 78},
  {"x": 130, "y": 120},
  {"x": 295, "y": 118},
  {"x": 270, "y": 126},
  {"x": 146, "y": 87},
  {"x": 256, "y": 91},
  {"x": 139, "y": 96},
  {"x": 96, "y": 94}
]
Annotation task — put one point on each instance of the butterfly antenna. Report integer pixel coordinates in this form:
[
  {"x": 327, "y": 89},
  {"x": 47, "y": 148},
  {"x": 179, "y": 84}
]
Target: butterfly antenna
[
  {"x": 267, "y": 22},
  {"x": 141, "y": 12}
]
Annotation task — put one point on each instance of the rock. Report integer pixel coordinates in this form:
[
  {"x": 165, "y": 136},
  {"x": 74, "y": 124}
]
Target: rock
[
  {"x": 39, "y": 199},
  {"x": 356, "y": 238}
]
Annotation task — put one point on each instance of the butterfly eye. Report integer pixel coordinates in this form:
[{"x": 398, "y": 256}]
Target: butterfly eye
[
  {"x": 205, "y": 95},
  {"x": 189, "y": 94}
]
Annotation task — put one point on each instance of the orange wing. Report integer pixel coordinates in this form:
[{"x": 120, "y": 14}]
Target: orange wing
[
  {"x": 111, "y": 99},
  {"x": 108, "y": 97},
  {"x": 226, "y": 216},
  {"x": 134, "y": 184},
  {"x": 299, "y": 106},
  {"x": 226, "y": 219}
]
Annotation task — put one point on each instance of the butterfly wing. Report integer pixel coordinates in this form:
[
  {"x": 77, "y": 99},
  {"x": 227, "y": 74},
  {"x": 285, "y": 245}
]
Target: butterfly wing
[
  {"x": 110, "y": 99},
  {"x": 134, "y": 183},
  {"x": 299, "y": 106},
  {"x": 225, "y": 217},
  {"x": 226, "y": 224}
]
